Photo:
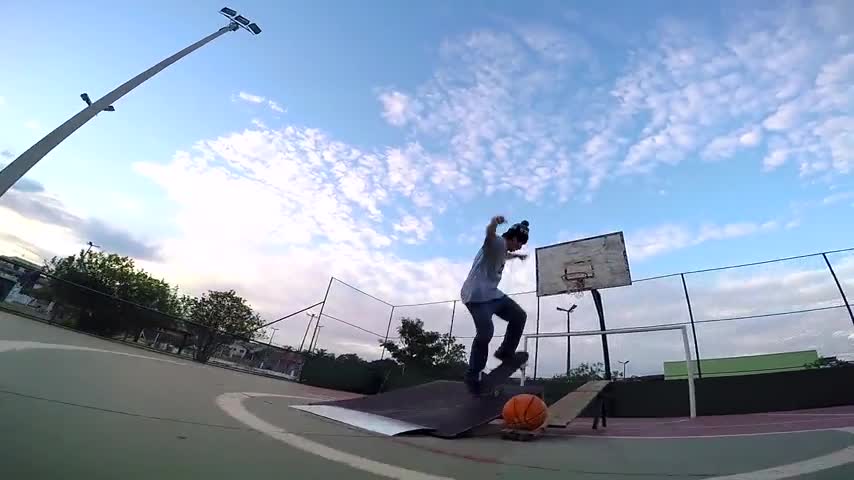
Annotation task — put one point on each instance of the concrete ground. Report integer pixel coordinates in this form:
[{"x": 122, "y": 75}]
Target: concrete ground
[{"x": 74, "y": 406}]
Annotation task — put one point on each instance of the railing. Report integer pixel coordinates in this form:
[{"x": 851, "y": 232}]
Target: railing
[{"x": 689, "y": 364}]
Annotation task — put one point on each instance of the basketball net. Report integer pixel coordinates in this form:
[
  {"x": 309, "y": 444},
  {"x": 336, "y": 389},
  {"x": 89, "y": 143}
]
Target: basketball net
[{"x": 574, "y": 282}]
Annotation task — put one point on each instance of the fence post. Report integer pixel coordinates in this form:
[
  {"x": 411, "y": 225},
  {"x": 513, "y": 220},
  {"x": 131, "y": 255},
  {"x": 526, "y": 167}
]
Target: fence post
[
  {"x": 320, "y": 315},
  {"x": 839, "y": 286},
  {"x": 537, "y": 340},
  {"x": 305, "y": 335},
  {"x": 693, "y": 329},
  {"x": 453, "y": 313},
  {"x": 387, "y": 329}
]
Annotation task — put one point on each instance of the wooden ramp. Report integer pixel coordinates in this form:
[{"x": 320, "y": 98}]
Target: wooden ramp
[
  {"x": 440, "y": 408},
  {"x": 569, "y": 407}
]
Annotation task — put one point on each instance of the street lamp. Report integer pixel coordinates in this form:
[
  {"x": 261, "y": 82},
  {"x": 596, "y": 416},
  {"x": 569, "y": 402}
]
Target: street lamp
[
  {"x": 274, "y": 329},
  {"x": 624, "y": 367},
  {"x": 27, "y": 160},
  {"x": 568, "y": 312}
]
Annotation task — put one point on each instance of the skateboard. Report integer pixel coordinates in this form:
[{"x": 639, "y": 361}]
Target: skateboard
[{"x": 492, "y": 382}]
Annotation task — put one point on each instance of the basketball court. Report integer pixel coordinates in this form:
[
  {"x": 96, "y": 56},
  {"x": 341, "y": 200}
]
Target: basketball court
[{"x": 74, "y": 406}]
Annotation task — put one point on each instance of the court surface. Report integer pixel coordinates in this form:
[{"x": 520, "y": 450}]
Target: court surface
[{"x": 78, "y": 407}]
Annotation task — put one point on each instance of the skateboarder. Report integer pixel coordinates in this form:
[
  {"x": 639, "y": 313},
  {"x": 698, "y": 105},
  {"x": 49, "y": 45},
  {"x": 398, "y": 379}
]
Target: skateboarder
[{"x": 483, "y": 299}]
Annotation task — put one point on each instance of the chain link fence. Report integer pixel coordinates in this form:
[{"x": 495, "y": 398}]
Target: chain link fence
[{"x": 778, "y": 306}]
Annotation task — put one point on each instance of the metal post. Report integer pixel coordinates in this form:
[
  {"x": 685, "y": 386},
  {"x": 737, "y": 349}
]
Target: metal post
[
  {"x": 451, "y": 329},
  {"x": 537, "y": 340},
  {"x": 839, "y": 286},
  {"x": 305, "y": 335},
  {"x": 453, "y": 313},
  {"x": 689, "y": 365},
  {"x": 387, "y": 329},
  {"x": 21, "y": 165},
  {"x": 314, "y": 336},
  {"x": 568, "y": 346},
  {"x": 606, "y": 356},
  {"x": 320, "y": 315},
  {"x": 524, "y": 365},
  {"x": 693, "y": 328}
]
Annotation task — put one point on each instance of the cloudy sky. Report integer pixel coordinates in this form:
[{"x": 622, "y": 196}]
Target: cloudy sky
[{"x": 373, "y": 143}]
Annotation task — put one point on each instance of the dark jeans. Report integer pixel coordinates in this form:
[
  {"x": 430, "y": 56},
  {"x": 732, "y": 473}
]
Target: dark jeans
[{"x": 506, "y": 309}]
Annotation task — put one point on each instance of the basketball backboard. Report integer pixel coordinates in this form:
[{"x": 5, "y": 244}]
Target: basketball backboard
[{"x": 585, "y": 264}]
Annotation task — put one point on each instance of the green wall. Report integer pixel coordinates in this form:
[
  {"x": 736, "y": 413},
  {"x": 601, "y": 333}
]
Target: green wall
[{"x": 747, "y": 365}]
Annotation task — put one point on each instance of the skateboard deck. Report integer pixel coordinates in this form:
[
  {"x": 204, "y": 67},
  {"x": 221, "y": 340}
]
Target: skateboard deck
[{"x": 492, "y": 382}]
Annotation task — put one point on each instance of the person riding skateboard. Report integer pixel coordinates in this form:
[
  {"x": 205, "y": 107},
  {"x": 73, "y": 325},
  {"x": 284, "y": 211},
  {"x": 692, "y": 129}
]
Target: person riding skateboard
[{"x": 483, "y": 299}]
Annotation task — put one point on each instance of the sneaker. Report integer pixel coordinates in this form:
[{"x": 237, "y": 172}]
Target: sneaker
[
  {"x": 503, "y": 355},
  {"x": 474, "y": 386}
]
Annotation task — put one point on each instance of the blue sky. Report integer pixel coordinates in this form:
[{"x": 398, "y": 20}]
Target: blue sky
[{"x": 374, "y": 141}]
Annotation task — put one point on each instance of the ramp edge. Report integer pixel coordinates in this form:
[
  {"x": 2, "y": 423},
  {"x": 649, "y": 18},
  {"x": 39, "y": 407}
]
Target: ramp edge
[{"x": 364, "y": 421}]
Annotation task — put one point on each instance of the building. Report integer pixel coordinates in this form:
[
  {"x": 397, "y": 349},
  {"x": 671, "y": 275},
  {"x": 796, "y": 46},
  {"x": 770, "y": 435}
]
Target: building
[{"x": 745, "y": 365}]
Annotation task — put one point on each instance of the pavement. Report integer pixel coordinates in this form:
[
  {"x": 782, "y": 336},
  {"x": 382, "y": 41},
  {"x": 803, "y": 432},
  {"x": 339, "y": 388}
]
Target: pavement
[{"x": 74, "y": 406}]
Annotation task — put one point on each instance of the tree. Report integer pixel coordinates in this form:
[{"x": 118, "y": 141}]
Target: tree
[
  {"x": 111, "y": 294},
  {"x": 218, "y": 317},
  {"x": 425, "y": 350},
  {"x": 586, "y": 371}
]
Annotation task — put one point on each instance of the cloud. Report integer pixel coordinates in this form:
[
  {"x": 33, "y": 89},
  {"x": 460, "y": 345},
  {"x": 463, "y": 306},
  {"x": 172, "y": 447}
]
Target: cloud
[
  {"x": 33, "y": 209},
  {"x": 27, "y": 185},
  {"x": 774, "y": 86},
  {"x": 649, "y": 242},
  {"x": 837, "y": 197},
  {"x": 417, "y": 228},
  {"x": 725, "y": 146},
  {"x": 33, "y": 125},
  {"x": 258, "y": 99},
  {"x": 395, "y": 107},
  {"x": 7, "y": 154},
  {"x": 251, "y": 98},
  {"x": 275, "y": 106}
]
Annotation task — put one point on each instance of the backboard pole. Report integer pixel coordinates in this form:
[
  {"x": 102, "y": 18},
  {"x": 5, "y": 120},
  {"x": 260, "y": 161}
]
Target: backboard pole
[
  {"x": 537, "y": 341},
  {"x": 839, "y": 286},
  {"x": 693, "y": 327},
  {"x": 689, "y": 366},
  {"x": 606, "y": 356}
]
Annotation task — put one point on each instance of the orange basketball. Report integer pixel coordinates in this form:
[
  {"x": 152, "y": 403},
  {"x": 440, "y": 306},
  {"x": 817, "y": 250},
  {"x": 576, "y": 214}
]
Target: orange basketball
[{"x": 525, "y": 412}]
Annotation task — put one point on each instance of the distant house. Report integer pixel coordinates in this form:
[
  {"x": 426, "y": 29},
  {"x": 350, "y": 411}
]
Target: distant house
[{"x": 18, "y": 279}]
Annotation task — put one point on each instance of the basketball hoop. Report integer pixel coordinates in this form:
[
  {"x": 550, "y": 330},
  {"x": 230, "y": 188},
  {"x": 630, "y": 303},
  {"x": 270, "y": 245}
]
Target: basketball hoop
[{"x": 574, "y": 282}]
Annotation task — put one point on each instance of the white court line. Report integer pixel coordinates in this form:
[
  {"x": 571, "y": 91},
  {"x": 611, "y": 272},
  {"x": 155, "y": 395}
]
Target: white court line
[
  {"x": 777, "y": 414},
  {"x": 18, "y": 345},
  {"x": 810, "y": 465},
  {"x": 232, "y": 404},
  {"x": 704, "y": 437}
]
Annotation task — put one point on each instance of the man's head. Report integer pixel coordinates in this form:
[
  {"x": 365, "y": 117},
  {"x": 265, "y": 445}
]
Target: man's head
[{"x": 516, "y": 236}]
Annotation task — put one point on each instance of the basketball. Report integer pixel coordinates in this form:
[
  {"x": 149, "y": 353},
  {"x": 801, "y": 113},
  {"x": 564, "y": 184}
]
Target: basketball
[{"x": 524, "y": 412}]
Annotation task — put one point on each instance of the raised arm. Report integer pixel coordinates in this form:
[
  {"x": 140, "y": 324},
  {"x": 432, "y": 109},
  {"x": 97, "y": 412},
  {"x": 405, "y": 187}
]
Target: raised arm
[{"x": 493, "y": 225}]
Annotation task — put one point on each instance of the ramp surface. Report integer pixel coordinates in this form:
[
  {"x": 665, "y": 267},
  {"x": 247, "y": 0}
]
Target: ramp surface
[
  {"x": 441, "y": 408},
  {"x": 569, "y": 407}
]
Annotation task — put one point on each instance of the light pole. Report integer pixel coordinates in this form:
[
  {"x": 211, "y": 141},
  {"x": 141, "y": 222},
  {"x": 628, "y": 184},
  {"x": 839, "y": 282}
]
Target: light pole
[
  {"x": 274, "y": 329},
  {"x": 568, "y": 312},
  {"x": 624, "y": 367},
  {"x": 91, "y": 245},
  {"x": 27, "y": 160}
]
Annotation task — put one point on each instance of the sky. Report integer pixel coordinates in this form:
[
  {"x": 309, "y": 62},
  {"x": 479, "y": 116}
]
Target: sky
[{"x": 374, "y": 142}]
